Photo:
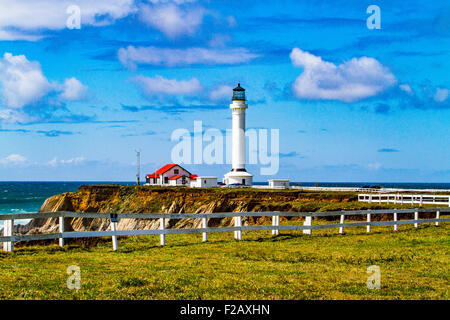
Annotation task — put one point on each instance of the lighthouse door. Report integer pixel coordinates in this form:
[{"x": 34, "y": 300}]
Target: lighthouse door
[{"x": 243, "y": 181}]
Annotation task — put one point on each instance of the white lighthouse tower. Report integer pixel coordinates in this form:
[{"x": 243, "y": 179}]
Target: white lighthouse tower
[{"x": 238, "y": 174}]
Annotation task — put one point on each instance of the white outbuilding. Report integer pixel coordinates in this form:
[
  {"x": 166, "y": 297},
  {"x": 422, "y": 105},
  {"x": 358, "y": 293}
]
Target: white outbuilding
[
  {"x": 204, "y": 182},
  {"x": 279, "y": 184}
]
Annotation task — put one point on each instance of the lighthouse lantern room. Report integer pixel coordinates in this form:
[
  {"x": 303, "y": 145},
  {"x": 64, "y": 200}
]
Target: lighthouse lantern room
[{"x": 238, "y": 174}]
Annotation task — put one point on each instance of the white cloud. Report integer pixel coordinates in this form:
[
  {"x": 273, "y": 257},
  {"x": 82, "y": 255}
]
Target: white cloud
[
  {"x": 219, "y": 41},
  {"x": 51, "y": 14},
  {"x": 53, "y": 162},
  {"x": 441, "y": 95},
  {"x": 171, "y": 1},
  {"x": 159, "y": 86},
  {"x": 76, "y": 160},
  {"x": 374, "y": 166},
  {"x": 73, "y": 90},
  {"x": 171, "y": 19},
  {"x": 8, "y": 35},
  {"x": 73, "y": 161},
  {"x": 406, "y": 88},
  {"x": 221, "y": 93},
  {"x": 14, "y": 116},
  {"x": 231, "y": 21},
  {"x": 132, "y": 56},
  {"x": 23, "y": 84},
  {"x": 350, "y": 81},
  {"x": 22, "y": 80},
  {"x": 13, "y": 159}
]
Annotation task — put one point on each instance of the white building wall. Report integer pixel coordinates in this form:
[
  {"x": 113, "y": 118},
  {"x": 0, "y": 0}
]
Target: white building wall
[
  {"x": 238, "y": 135},
  {"x": 278, "y": 184},
  {"x": 179, "y": 182},
  {"x": 238, "y": 178},
  {"x": 204, "y": 182},
  {"x": 170, "y": 173}
]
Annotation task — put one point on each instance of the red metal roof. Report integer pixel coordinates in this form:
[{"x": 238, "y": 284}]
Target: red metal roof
[
  {"x": 176, "y": 177},
  {"x": 167, "y": 167}
]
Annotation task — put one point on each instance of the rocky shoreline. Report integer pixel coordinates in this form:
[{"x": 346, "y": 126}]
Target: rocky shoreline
[{"x": 139, "y": 199}]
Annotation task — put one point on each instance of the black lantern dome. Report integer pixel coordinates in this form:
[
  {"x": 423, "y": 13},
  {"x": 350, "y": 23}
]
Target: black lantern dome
[{"x": 239, "y": 93}]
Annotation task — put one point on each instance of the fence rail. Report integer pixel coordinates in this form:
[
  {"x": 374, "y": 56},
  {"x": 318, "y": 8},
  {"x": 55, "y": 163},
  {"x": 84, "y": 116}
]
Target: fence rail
[
  {"x": 405, "y": 198},
  {"x": 341, "y": 189},
  {"x": 9, "y": 238}
]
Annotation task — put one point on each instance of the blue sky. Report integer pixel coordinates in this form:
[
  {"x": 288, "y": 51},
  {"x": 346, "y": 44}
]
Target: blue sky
[{"x": 351, "y": 103}]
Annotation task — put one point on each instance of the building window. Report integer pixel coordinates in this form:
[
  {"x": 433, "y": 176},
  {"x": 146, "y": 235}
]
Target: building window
[
  {"x": 166, "y": 179},
  {"x": 176, "y": 171}
]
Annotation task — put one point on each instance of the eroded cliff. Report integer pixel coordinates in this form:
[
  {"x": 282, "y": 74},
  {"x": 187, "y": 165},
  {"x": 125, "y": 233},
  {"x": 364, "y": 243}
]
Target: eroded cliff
[{"x": 134, "y": 199}]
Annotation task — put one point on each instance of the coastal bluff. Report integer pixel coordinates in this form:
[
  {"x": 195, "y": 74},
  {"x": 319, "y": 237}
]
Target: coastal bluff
[{"x": 143, "y": 199}]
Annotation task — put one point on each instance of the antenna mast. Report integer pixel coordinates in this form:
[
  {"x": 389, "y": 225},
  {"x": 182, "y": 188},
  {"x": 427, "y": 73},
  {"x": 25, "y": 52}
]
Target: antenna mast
[{"x": 138, "y": 174}]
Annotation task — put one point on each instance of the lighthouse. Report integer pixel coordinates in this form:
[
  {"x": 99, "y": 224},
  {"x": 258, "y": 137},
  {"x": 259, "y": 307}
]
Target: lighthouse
[{"x": 238, "y": 174}]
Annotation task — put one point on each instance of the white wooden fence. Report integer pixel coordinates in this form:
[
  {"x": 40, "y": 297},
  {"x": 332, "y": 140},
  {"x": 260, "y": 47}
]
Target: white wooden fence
[
  {"x": 405, "y": 198},
  {"x": 341, "y": 189},
  {"x": 9, "y": 238}
]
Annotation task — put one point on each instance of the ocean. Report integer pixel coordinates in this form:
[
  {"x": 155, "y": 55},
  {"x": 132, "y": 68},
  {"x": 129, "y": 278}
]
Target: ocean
[{"x": 21, "y": 197}]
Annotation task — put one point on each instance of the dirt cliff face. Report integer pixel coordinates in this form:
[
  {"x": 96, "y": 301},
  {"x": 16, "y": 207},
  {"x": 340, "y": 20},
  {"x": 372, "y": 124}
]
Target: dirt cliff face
[{"x": 134, "y": 199}]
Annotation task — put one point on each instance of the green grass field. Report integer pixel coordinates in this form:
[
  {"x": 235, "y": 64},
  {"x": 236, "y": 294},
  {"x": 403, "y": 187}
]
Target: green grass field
[{"x": 414, "y": 264}]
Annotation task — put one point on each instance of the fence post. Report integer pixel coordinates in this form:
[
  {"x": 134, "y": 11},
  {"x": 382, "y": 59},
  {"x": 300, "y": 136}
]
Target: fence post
[
  {"x": 437, "y": 217},
  {"x": 238, "y": 223},
  {"x": 204, "y": 226},
  {"x": 388, "y": 199},
  {"x": 402, "y": 199},
  {"x": 395, "y": 219},
  {"x": 162, "y": 226},
  {"x": 61, "y": 230},
  {"x": 370, "y": 198},
  {"x": 8, "y": 226},
  {"x": 308, "y": 222},
  {"x": 421, "y": 200},
  {"x": 416, "y": 217},
  {"x": 276, "y": 223},
  {"x": 341, "y": 229},
  {"x": 114, "y": 237},
  {"x": 368, "y": 220}
]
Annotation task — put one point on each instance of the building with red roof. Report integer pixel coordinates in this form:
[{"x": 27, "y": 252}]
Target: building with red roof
[{"x": 170, "y": 175}]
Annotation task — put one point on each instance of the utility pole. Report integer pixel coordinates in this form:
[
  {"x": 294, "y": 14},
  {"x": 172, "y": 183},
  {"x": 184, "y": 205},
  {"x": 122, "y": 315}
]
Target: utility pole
[{"x": 138, "y": 174}]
